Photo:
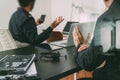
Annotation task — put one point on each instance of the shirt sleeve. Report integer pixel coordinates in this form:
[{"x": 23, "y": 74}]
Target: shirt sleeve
[
  {"x": 30, "y": 32},
  {"x": 90, "y": 58}
]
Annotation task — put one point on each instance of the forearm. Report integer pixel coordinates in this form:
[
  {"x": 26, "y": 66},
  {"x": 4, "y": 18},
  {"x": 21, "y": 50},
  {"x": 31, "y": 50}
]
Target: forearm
[
  {"x": 34, "y": 38},
  {"x": 44, "y": 35},
  {"x": 30, "y": 32}
]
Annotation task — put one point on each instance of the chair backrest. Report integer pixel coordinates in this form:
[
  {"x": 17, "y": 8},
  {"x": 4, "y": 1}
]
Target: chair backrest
[
  {"x": 1, "y": 48},
  {"x": 6, "y": 40},
  {"x": 21, "y": 44}
]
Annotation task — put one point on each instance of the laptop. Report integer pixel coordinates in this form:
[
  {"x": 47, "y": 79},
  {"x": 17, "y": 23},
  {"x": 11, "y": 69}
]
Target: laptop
[
  {"x": 85, "y": 28},
  {"x": 67, "y": 27}
]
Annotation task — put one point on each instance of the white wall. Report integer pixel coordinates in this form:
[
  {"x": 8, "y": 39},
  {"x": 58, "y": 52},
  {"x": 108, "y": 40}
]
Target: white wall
[
  {"x": 94, "y": 5},
  {"x": 52, "y": 8},
  {"x": 64, "y": 8},
  {"x": 6, "y": 9},
  {"x": 61, "y": 8},
  {"x": 43, "y": 7},
  {"x": 9, "y": 6}
]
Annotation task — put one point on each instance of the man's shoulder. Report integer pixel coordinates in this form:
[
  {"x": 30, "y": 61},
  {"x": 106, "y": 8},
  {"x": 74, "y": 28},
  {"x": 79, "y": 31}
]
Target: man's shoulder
[{"x": 20, "y": 15}]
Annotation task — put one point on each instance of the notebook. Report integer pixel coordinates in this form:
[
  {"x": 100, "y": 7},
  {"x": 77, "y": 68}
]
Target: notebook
[{"x": 16, "y": 64}]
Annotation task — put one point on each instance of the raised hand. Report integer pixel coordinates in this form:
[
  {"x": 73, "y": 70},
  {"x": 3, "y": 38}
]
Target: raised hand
[
  {"x": 78, "y": 37},
  {"x": 55, "y": 23}
]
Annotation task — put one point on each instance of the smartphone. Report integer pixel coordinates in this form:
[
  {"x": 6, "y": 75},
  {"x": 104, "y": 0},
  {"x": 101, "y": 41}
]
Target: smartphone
[{"x": 42, "y": 18}]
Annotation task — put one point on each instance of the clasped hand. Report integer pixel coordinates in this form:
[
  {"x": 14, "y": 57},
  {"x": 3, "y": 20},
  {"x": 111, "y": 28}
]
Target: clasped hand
[{"x": 79, "y": 39}]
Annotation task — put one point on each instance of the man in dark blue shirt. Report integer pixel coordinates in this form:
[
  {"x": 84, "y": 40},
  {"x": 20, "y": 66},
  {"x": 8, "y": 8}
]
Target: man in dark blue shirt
[{"x": 23, "y": 28}]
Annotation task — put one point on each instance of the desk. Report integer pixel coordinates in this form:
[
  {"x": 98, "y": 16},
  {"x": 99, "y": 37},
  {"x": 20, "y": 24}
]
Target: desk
[{"x": 50, "y": 70}]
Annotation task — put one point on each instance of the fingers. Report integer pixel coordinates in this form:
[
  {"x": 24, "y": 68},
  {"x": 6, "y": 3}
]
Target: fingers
[
  {"x": 57, "y": 22},
  {"x": 87, "y": 38},
  {"x": 83, "y": 47},
  {"x": 76, "y": 37},
  {"x": 60, "y": 19},
  {"x": 37, "y": 21},
  {"x": 78, "y": 33}
]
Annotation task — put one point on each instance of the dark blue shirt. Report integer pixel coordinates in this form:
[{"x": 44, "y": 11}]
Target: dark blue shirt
[{"x": 23, "y": 28}]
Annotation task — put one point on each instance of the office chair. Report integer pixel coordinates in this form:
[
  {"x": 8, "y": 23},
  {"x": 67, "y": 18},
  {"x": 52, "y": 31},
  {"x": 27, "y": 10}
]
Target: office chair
[
  {"x": 1, "y": 48},
  {"x": 21, "y": 44},
  {"x": 6, "y": 40}
]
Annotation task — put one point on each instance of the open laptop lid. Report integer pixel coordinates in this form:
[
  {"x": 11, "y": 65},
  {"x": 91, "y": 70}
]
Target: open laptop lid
[
  {"x": 67, "y": 26},
  {"x": 85, "y": 28}
]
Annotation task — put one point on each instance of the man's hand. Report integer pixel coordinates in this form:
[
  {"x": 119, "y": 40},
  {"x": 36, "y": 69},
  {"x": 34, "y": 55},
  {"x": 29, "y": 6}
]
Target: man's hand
[
  {"x": 83, "y": 47},
  {"x": 78, "y": 37},
  {"x": 38, "y": 21},
  {"x": 56, "y": 22}
]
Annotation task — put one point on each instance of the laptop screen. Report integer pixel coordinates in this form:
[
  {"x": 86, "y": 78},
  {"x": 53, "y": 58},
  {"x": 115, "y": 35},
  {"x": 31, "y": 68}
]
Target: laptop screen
[
  {"x": 67, "y": 26},
  {"x": 118, "y": 34}
]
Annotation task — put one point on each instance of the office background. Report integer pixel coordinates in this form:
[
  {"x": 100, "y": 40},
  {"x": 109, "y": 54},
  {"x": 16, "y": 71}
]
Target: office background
[{"x": 54, "y": 8}]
